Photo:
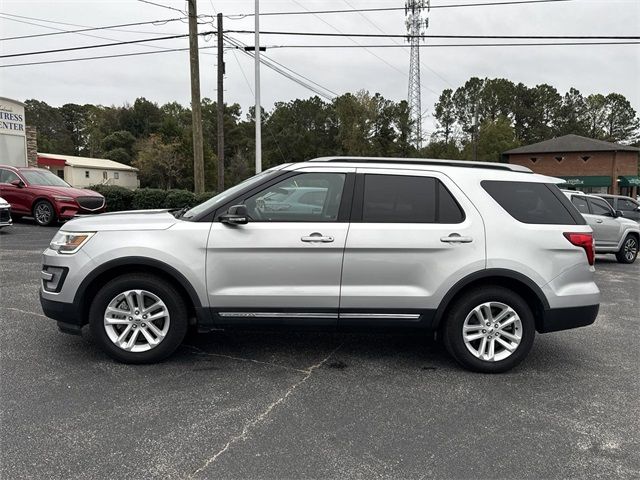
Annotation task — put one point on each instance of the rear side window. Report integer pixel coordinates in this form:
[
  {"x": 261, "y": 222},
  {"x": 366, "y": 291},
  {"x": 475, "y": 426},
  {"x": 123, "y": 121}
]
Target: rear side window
[
  {"x": 580, "y": 203},
  {"x": 537, "y": 203},
  {"x": 408, "y": 199}
]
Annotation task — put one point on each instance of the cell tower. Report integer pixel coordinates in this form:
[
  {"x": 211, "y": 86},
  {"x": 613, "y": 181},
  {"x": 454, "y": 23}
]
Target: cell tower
[{"x": 417, "y": 22}]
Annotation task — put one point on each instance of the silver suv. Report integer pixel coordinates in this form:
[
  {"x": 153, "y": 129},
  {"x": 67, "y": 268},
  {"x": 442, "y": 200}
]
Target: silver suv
[
  {"x": 612, "y": 232},
  {"x": 484, "y": 254}
]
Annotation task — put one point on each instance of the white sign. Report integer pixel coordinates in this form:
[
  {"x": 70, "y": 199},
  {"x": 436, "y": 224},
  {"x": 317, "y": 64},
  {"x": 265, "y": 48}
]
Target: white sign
[
  {"x": 11, "y": 117},
  {"x": 13, "y": 142}
]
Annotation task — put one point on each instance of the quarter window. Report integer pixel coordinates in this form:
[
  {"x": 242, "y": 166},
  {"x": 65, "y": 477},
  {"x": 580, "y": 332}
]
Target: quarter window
[
  {"x": 408, "y": 199},
  {"x": 308, "y": 197}
]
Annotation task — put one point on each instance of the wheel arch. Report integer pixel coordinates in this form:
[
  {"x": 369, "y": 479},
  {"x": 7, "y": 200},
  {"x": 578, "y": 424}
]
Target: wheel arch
[
  {"x": 509, "y": 279},
  {"x": 128, "y": 265}
]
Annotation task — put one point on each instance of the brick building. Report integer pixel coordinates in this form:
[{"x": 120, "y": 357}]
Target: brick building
[{"x": 586, "y": 164}]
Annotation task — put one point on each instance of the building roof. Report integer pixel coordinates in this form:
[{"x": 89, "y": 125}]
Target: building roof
[
  {"x": 572, "y": 143},
  {"x": 87, "y": 162}
]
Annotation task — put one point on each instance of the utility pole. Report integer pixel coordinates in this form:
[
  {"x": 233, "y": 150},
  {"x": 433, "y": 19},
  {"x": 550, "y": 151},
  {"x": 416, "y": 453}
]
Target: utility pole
[
  {"x": 196, "y": 107},
  {"x": 416, "y": 22},
  {"x": 220, "y": 107},
  {"x": 258, "y": 113}
]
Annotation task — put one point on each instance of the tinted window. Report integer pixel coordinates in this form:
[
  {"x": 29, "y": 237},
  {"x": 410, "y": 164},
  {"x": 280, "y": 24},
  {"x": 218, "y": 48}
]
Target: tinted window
[
  {"x": 600, "y": 207},
  {"x": 7, "y": 176},
  {"x": 580, "y": 203},
  {"x": 530, "y": 202},
  {"x": 283, "y": 202},
  {"x": 407, "y": 199},
  {"x": 626, "y": 205},
  {"x": 609, "y": 201}
]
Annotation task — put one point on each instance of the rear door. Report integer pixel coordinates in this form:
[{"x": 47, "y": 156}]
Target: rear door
[
  {"x": 413, "y": 234},
  {"x": 605, "y": 225}
]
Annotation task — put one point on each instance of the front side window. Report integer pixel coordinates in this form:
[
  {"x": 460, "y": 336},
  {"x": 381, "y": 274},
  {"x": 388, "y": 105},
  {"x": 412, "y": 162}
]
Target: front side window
[
  {"x": 307, "y": 197},
  {"x": 627, "y": 205},
  {"x": 600, "y": 207},
  {"x": 7, "y": 176},
  {"x": 408, "y": 199},
  {"x": 580, "y": 203}
]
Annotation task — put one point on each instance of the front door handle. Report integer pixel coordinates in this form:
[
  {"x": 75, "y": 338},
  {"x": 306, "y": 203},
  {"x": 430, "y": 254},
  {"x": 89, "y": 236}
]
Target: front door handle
[
  {"x": 599, "y": 220},
  {"x": 456, "y": 238},
  {"x": 317, "y": 237}
]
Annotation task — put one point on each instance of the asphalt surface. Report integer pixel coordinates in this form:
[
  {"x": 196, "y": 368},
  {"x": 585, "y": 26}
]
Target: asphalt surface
[{"x": 313, "y": 405}]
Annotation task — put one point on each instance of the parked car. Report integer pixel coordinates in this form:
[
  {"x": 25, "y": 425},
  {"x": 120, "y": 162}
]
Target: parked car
[
  {"x": 39, "y": 193},
  {"x": 298, "y": 200},
  {"x": 611, "y": 232},
  {"x": 628, "y": 207},
  {"x": 485, "y": 254},
  {"x": 5, "y": 213}
]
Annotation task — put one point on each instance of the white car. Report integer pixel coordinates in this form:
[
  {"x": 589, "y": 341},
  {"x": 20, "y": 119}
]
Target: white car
[{"x": 5, "y": 213}]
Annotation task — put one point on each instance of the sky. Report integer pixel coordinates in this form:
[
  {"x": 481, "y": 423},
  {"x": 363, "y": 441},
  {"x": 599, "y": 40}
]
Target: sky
[{"x": 164, "y": 77}]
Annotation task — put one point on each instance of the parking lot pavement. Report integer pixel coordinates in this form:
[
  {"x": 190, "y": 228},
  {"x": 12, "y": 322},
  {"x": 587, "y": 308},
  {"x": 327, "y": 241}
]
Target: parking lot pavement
[{"x": 313, "y": 405}]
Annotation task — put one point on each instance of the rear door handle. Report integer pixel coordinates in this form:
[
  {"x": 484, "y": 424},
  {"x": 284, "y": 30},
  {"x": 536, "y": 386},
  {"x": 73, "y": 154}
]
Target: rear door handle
[
  {"x": 317, "y": 237},
  {"x": 456, "y": 238}
]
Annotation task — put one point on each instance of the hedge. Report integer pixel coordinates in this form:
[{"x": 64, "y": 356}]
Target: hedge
[{"x": 119, "y": 198}]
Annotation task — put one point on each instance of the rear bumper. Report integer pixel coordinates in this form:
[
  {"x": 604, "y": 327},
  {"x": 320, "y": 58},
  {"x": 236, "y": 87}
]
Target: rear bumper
[{"x": 556, "y": 319}]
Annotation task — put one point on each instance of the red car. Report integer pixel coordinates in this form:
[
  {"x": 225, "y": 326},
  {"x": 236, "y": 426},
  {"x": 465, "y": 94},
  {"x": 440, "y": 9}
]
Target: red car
[{"x": 39, "y": 193}]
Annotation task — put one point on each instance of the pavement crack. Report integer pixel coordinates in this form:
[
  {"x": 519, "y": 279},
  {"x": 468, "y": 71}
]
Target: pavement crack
[
  {"x": 242, "y": 359},
  {"x": 243, "y": 435},
  {"x": 25, "y": 311}
]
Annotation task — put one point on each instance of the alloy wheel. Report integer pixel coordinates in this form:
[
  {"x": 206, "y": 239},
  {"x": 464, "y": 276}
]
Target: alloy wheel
[
  {"x": 630, "y": 249},
  {"x": 492, "y": 331},
  {"x": 136, "y": 320},
  {"x": 43, "y": 213}
]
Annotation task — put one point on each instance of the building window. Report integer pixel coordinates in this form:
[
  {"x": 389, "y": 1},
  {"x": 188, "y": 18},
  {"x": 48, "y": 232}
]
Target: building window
[
  {"x": 559, "y": 159},
  {"x": 534, "y": 159},
  {"x": 585, "y": 158},
  {"x": 105, "y": 175},
  {"x": 60, "y": 173},
  {"x": 86, "y": 174},
  {"x": 116, "y": 175}
]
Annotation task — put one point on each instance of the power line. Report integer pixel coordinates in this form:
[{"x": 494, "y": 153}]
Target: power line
[
  {"x": 81, "y": 30},
  {"x": 496, "y": 37},
  {"x": 46, "y": 62},
  {"x": 443, "y": 45},
  {"x": 391, "y": 9},
  {"x": 86, "y": 47},
  {"x": 163, "y": 6}
]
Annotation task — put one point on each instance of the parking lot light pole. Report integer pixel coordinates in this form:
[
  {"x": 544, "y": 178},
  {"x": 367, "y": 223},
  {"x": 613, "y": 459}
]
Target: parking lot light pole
[{"x": 258, "y": 111}]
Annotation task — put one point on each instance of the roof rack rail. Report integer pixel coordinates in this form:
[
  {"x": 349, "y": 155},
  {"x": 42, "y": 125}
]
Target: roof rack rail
[{"x": 427, "y": 161}]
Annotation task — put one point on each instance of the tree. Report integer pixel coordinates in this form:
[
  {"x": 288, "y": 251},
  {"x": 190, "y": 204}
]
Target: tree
[
  {"x": 620, "y": 121},
  {"x": 445, "y": 114},
  {"x": 494, "y": 138},
  {"x": 118, "y": 146},
  {"x": 160, "y": 164},
  {"x": 572, "y": 115}
]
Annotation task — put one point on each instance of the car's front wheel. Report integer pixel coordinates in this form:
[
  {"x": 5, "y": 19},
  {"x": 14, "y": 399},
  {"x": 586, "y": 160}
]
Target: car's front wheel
[
  {"x": 490, "y": 330},
  {"x": 43, "y": 213},
  {"x": 629, "y": 251},
  {"x": 138, "y": 318}
]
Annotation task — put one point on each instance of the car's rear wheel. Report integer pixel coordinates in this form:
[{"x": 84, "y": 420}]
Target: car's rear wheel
[
  {"x": 490, "y": 330},
  {"x": 43, "y": 213},
  {"x": 138, "y": 318},
  {"x": 629, "y": 251}
]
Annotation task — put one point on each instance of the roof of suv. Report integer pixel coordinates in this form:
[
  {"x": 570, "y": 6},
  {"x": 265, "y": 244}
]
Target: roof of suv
[{"x": 427, "y": 161}]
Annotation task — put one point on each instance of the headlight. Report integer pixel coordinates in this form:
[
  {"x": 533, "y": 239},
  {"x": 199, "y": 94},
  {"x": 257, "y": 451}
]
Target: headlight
[
  {"x": 69, "y": 242},
  {"x": 63, "y": 198}
]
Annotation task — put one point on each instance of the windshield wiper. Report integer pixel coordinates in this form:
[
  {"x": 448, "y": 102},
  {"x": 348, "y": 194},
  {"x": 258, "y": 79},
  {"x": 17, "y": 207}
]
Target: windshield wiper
[{"x": 179, "y": 212}]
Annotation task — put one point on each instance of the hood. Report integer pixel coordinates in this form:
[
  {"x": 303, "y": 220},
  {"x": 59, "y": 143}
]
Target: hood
[
  {"x": 67, "y": 191},
  {"x": 122, "y": 221}
]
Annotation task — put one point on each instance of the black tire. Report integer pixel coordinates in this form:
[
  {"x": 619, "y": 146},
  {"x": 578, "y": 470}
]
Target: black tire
[
  {"x": 453, "y": 329},
  {"x": 44, "y": 213},
  {"x": 175, "y": 305},
  {"x": 629, "y": 250}
]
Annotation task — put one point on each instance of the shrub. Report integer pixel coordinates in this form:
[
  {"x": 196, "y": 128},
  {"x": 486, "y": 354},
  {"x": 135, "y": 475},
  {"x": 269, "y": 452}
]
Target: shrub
[
  {"x": 204, "y": 196},
  {"x": 179, "y": 199},
  {"x": 149, "y": 198},
  {"x": 117, "y": 198}
]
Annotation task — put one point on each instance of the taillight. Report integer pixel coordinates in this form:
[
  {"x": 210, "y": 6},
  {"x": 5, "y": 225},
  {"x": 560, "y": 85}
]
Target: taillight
[{"x": 584, "y": 240}]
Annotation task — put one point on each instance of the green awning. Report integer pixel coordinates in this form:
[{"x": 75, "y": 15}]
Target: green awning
[
  {"x": 629, "y": 181},
  {"x": 594, "y": 181}
]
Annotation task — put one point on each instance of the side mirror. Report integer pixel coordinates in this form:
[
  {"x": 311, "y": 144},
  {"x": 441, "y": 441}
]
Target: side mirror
[
  {"x": 618, "y": 213},
  {"x": 236, "y": 215},
  {"x": 17, "y": 183}
]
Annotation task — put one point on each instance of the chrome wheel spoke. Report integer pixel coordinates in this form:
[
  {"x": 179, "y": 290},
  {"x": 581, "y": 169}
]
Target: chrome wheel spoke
[
  {"x": 497, "y": 335},
  {"x": 129, "y": 325}
]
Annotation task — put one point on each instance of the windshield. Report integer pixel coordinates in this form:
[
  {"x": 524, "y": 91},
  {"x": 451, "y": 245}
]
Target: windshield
[
  {"x": 221, "y": 197},
  {"x": 43, "y": 177}
]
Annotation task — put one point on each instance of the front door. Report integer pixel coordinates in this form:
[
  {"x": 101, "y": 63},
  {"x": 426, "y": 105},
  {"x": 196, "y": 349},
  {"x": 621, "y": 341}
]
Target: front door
[
  {"x": 284, "y": 265},
  {"x": 18, "y": 197},
  {"x": 413, "y": 235}
]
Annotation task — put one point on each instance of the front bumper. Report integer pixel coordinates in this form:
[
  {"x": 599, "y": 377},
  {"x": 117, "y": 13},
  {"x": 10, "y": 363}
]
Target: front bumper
[
  {"x": 5, "y": 218},
  {"x": 66, "y": 314},
  {"x": 556, "y": 319}
]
